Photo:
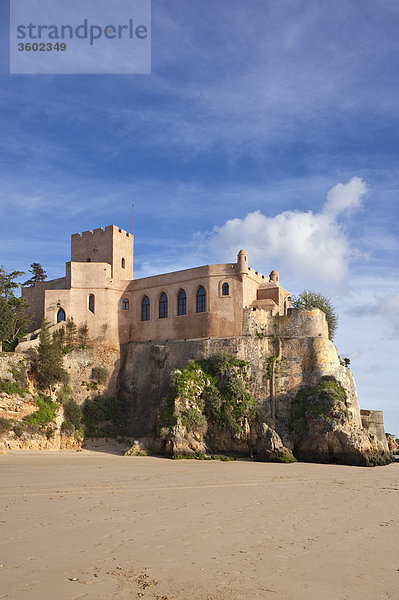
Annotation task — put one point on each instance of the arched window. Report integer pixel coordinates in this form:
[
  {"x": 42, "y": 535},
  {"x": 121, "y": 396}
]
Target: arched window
[
  {"x": 91, "y": 303},
  {"x": 163, "y": 306},
  {"x": 225, "y": 289},
  {"x": 201, "y": 300},
  {"x": 145, "y": 309},
  {"x": 123, "y": 263},
  {"x": 182, "y": 303},
  {"x": 125, "y": 304},
  {"x": 61, "y": 315}
]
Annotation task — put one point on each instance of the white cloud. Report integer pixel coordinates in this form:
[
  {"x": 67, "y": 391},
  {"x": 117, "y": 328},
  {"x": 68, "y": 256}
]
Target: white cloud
[
  {"x": 345, "y": 197},
  {"x": 306, "y": 247}
]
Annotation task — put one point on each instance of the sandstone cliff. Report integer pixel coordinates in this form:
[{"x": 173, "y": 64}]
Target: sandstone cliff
[
  {"x": 285, "y": 394},
  {"x": 33, "y": 420},
  {"x": 285, "y": 355}
]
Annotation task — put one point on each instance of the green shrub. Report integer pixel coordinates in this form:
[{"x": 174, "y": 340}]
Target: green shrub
[
  {"x": 213, "y": 403},
  {"x": 103, "y": 416},
  {"x": 90, "y": 385},
  {"x": 63, "y": 394},
  {"x": 9, "y": 346},
  {"x": 216, "y": 389},
  {"x": 18, "y": 428},
  {"x": 68, "y": 428},
  {"x": 323, "y": 402},
  {"x": 192, "y": 419},
  {"x": 221, "y": 363},
  {"x": 285, "y": 459},
  {"x": 73, "y": 413},
  {"x": 99, "y": 374},
  {"x": 12, "y": 387},
  {"x": 19, "y": 374},
  {"x": 46, "y": 413},
  {"x": 5, "y": 425},
  {"x": 235, "y": 387},
  {"x": 166, "y": 416}
]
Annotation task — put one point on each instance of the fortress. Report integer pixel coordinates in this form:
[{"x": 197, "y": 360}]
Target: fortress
[
  {"x": 99, "y": 289},
  {"x": 144, "y": 331}
]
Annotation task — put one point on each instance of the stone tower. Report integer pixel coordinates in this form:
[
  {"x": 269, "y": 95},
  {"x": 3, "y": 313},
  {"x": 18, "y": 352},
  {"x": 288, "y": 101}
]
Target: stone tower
[{"x": 110, "y": 245}]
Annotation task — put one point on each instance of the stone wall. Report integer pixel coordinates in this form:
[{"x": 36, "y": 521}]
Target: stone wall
[
  {"x": 298, "y": 323},
  {"x": 79, "y": 364},
  {"x": 373, "y": 422},
  {"x": 146, "y": 369}
]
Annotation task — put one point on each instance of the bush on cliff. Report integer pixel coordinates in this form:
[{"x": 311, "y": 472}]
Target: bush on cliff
[
  {"x": 12, "y": 387},
  {"x": 209, "y": 391},
  {"x": 46, "y": 413},
  {"x": 99, "y": 375},
  {"x": 103, "y": 416},
  {"x": 325, "y": 403},
  {"x": 72, "y": 417},
  {"x": 5, "y": 425}
]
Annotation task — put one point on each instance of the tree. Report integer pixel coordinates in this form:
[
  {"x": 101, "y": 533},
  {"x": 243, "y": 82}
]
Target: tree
[
  {"x": 48, "y": 361},
  {"x": 5, "y": 320},
  {"x": 8, "y": 283},
  {"x": 59, "y": 338},
  {"x": 308, "y": 299},
  {"x": 71, "y": 331},
  {"x": 38, "y": 274},
  {"x": 83, "y": 334},
  {"x": 18, "y": 319},
  {"x": 15, "y": 318}
]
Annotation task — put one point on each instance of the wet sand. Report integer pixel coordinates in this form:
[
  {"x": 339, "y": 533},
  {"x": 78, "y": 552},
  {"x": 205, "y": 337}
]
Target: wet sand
[{"x": 97, "y": 526}]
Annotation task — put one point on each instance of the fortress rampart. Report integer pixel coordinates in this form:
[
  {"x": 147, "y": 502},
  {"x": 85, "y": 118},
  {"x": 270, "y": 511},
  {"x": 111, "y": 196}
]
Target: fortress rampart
[
  {"x": 296, "y": 323},
  {"x": 372, "y": 420}
]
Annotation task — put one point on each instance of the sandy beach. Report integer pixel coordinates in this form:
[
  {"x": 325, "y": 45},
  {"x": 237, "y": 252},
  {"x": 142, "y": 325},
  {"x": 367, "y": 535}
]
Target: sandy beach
[{"x": 93, "y": 525}]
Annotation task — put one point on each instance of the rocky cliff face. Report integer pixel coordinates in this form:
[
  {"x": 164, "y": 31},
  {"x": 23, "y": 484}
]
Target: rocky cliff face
[
  {"x": 285, "y": 355},
  {"x": 19, "y": 400}
]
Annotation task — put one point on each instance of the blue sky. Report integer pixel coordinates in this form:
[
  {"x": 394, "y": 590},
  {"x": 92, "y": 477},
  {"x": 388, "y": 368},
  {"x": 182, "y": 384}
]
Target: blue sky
[{"x": 270, "y": 125}]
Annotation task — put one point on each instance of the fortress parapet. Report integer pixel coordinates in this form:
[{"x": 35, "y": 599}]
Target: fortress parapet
[
  {"x": 297, "y": 323},
  {"x": 109, "y": 229}
]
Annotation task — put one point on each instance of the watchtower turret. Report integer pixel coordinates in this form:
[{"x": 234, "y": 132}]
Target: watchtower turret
[
  {"x": 274, "y": 276},
  {"x": 242, "y": 261},
  {"x": 110, "y": 245}
]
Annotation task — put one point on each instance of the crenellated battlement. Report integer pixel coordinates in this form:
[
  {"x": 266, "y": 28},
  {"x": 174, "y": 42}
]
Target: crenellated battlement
[{"x": 100, "y": 232}]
